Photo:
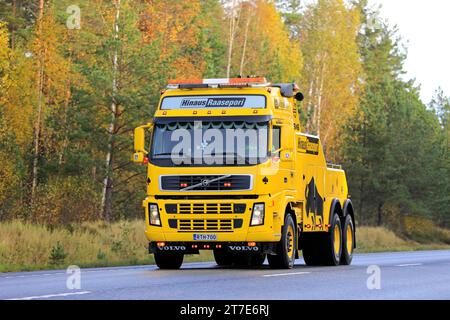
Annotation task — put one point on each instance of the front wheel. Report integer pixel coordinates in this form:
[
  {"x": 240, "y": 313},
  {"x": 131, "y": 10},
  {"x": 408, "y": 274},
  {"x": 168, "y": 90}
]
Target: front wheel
[
  {"x": 169, "y": 260},
  {"x": 223, "y": 258},
  {"x": 257, "y": 260},
  {"x": 287, "y": 247}
]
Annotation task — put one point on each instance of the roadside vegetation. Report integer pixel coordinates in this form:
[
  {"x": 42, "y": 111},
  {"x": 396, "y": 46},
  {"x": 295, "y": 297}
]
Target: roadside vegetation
[
  {"x": 27, "y": 247},
  {"x": 65, "y": 108},
  {"x": 71, "y": 96}
]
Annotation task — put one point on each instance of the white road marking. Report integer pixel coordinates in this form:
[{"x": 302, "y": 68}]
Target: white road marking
[
  {"x": 48, "y": 296},
  {"x": 285, "y": 274},
  {"x": 410, "y": 265},
  {"x": 60, "y": 273}
]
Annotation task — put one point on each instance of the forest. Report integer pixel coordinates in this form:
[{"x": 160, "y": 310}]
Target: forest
[{"x": 76, "y": 77}]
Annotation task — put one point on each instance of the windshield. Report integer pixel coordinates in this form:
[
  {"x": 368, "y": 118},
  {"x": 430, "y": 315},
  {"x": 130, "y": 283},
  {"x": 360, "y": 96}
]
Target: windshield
[{"x": 235, "y": 143}]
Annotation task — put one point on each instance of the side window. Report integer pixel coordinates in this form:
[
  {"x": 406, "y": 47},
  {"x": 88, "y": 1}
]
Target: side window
[{"x": 276, "y": 141}]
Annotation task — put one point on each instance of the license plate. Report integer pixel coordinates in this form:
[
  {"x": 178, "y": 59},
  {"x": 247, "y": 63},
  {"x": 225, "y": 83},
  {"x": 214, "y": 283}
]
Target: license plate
[{"x": 205, "y": 237}]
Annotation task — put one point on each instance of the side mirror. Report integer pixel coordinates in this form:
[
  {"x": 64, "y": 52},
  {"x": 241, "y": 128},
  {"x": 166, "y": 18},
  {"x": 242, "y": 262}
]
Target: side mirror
[
  {"x": 140, "y": 155},
  {"x": 299, "y": 96},
  {"x": 139, "y": 139}
]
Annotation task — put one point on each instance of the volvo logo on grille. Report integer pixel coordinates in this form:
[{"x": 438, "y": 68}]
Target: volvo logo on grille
[
  {"x": 205, "y": 182},
  {"x": 172, "y": 248},
  {"x": 243, "y": 248}
]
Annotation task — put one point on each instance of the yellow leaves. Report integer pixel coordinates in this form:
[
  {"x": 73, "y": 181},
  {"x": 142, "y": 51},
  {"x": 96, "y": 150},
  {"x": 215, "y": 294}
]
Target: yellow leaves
[
  {"x": 5, "y": 53},
  {"x": 175, "y": 26},
  {"x": 269, "y": 50},
  {"x": 8, "y": 176},
  {"x": 46, "y": 49},
  {"x": 15, "y": 101},
  {"x": 332, "y": 68}
]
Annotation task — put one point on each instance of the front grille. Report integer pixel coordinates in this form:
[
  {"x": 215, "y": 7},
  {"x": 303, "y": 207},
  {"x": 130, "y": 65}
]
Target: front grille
[
  {"x": 205, "y": 208},
  {"x": 201, "y": 208},
  {"x": 206, "y": 183},
  {"x": 205, "y": 225}
]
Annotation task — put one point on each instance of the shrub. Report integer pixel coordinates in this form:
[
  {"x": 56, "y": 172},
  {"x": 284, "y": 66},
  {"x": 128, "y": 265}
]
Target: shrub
[{"x": 57, "y": 255}]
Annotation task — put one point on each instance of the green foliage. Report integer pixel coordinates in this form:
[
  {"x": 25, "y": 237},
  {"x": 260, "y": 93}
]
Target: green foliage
[
  {"x": 57, "y": 255},
  {"x": 393, "y": 143},
  {"x": 101, "y": 255},
  {"x": 395, "y": 149}
]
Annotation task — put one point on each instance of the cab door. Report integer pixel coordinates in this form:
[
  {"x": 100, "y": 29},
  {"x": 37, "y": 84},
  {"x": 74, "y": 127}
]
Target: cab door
[{"x": 284, "y": 152}]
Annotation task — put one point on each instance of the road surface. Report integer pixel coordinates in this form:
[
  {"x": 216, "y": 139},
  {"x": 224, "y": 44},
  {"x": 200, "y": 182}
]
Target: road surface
[{"x": 405, "y": 275}]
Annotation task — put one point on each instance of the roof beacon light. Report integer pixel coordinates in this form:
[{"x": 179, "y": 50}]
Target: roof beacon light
[{"x": 215, "y": 83}]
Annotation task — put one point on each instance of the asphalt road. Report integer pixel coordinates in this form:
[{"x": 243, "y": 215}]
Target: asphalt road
[{"x": 405, "y": 275}]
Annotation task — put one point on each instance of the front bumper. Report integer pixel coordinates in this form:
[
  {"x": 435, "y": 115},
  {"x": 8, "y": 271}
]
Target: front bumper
[
  {"x": 194, "y": 248},
  {"x": 213, "y": 217}
]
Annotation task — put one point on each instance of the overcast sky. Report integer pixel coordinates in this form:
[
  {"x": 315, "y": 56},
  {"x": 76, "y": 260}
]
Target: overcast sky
[{"x": 425, "y": 28}]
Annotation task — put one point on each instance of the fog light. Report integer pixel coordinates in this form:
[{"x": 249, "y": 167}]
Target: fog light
[
  {"x": 153, "y": 213},
  {"x": 258, "y": 215}
]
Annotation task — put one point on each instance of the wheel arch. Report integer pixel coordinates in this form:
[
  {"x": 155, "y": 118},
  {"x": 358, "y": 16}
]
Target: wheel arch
[
  {"x": 336, "y": 207},
  {"x": 290, "y": 210},
  {"x": 349, "y": 210}
]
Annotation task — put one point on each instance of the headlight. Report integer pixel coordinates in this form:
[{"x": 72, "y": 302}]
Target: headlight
[
  {"x": 258, "y": 215},
  {"x": 153, "y": 214}
]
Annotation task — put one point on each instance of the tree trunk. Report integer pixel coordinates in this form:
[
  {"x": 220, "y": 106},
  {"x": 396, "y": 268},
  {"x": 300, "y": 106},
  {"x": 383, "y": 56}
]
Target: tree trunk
[
  {"x": 40, "y": 86},
  {"x": 319, "y": 101},
  {"x": 234, "y": 23},
  {"x": 107, "y": 193},
  {"x": 310, "y": 105},
  {"x": 67, "y": 100},
  {"x": 380, "y": 215},
  {"x": 65, "y": 143},
  {"x": 13, "y": 29},
  {"x": 244, "y": 49}
]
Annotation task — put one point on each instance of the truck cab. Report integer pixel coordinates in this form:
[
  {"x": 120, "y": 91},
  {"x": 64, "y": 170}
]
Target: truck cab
[{"x": 229, "y": 170}]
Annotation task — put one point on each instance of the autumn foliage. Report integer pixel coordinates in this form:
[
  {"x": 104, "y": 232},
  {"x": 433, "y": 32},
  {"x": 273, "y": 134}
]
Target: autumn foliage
[{"x": 71, "y": 96}]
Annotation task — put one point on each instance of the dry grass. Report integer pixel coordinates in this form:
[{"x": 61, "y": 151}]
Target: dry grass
[
  {"x": 26, "y": 247},
  {"x": 29, "y": 247},
  {"x": 371, "y": 239}
]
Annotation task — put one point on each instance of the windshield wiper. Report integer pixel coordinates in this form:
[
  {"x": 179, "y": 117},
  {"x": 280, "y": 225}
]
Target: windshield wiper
[{"x": 239, "y": 158}]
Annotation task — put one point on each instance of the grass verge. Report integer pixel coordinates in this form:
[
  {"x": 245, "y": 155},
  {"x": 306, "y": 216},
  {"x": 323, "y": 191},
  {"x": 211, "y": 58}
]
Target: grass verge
[{"x": 28, "y": 247}]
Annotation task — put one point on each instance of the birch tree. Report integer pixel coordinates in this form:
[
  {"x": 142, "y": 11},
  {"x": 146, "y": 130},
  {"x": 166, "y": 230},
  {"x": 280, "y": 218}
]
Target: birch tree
[{"x": 332, "y": 68}]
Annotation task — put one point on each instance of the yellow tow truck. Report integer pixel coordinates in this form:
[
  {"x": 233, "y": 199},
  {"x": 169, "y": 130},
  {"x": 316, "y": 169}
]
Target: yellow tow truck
[{"x": 230, "y": 170}]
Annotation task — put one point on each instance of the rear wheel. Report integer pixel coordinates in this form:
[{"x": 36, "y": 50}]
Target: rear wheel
[
  {"x": 169, "y": 260},
  {"x": 286, "y": 248},
  {"x": 324, "y": 249},
  {"x": 223, "y": 258},
  {"x": 348, "y": 245},
  {"x": 332, "y": 246},
  {"x": 311, "y": 249}
]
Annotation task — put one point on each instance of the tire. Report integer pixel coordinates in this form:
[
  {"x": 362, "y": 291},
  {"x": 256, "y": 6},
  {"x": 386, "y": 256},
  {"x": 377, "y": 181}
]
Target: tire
[
  {"x": 169, "y": 260},
  {"x": 311, "y": 249},
  {"x": 241, "y": 260},
  {"x": 257, "y": 260},
  {"x": 332, "y": 245},
  {"x": 348, "y": 243},
  {"x": 223, "y": 258},
  {"x": 286, "y": 248}
]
